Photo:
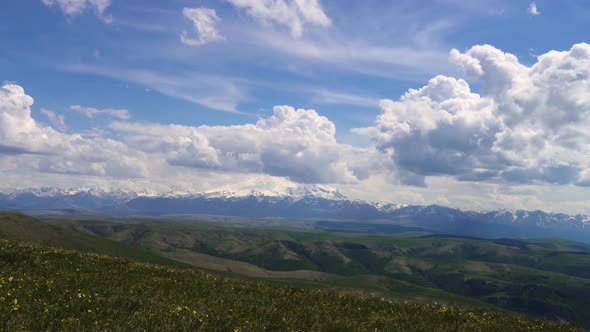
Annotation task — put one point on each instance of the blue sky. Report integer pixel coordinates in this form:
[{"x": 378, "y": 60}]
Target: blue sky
[
  {"x": 47, "y": 51},
  {"x": 240, "y": 58}
]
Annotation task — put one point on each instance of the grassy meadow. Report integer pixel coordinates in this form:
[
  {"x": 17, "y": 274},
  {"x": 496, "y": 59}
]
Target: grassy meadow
[
  {"x": 44, "y": 288},
  {"x": 403, "y": 273},
  {"x": 546, "y": 278}
]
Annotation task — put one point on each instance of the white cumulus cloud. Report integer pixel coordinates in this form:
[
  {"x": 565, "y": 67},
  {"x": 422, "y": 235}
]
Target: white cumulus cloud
[
  {"x": 525, "y": 128},
  {"x": 204, "y": 21},
  {"x": 293, "y": 14},
  {"x": 55, "y": 152},
  {"x": 293, "y": 143},
  {"x": 528, "y": 124}
]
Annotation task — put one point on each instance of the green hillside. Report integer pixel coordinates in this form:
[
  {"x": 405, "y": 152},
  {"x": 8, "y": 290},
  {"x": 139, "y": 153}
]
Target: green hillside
[
  {"x": 55, "y": 289},
  {"x": 544, "y": 278},
  {"x": 547, "y": 278},
  {"x": 20, "y": 227}
]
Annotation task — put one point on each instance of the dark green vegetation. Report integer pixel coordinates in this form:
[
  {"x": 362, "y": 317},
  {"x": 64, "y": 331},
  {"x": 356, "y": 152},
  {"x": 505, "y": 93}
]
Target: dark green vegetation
[
  {"x": 54, "y": 289},
  {"x": 546, "y": 278},
  {"x": 20, "y": 227}
]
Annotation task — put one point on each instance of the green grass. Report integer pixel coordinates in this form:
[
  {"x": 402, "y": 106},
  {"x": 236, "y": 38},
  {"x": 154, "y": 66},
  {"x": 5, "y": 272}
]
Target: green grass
[
  {"x": 60, "y": 290},
  {"x": 547, "y": 278},
  {"x": 21, "y": 227}
]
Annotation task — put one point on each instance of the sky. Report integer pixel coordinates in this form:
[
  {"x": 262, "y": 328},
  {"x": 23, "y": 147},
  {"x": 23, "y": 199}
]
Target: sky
[{"x": 472, "y": 104}]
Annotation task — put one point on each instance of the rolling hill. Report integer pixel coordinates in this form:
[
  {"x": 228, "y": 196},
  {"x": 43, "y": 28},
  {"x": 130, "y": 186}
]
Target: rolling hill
[
  {"x": 547, "y": 278},
  {"x": 21, "y": 227},
  {"x": 53, "y": 289}
]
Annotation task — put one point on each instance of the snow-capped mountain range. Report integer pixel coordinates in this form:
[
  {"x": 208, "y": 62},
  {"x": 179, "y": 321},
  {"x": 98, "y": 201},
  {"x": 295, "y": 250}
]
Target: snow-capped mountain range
[
  {"x": 59, "y": 192},
  {"x": 305, "y": 202},
  {"x": 293, "y": 192},
  {"x": 289, "y": 191}
]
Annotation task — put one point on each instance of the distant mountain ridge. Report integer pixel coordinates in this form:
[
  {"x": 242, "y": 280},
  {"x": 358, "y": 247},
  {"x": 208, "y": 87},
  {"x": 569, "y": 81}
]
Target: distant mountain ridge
[
  {"x": 291, "y": 191},
  {"x": 313, "y": 202}
]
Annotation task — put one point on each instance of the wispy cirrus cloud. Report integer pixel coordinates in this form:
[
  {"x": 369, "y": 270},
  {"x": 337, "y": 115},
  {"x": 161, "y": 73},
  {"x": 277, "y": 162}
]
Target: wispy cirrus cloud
[
  {"x": 58, "y": 120},
  {"x": 73, "y": 8},
  {"x": 323, "y": 96},
  {"x": 406, "y": 61},
  {"x": 90, "y": 112},
  {"x": 293, "y": 14},
  {"x": 217, "y": 93}
]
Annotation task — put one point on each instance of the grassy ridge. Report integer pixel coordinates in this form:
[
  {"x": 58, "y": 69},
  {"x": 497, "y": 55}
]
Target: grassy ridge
[
  {"x": 544, "y": 278},
  {"x": 20, "y": 227},
  {"x": 55, "y": 289},
  {"x": 547, "y": 278}
]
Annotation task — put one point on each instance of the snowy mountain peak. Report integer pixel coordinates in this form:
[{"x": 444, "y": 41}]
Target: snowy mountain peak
[
  {"x": 316, "y": 191},
  {"x": 387, "y": 207},
  {"x": 293, "y": 192},
  {"x": 95, "y": 197}
]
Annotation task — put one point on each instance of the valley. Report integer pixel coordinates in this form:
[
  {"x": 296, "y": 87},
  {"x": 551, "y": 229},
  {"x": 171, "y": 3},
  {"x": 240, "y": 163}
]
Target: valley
[
  {"x": 324, "y": 208},
  {"x": 542, "y": 277},
  {"x": 45, "y": 288}
]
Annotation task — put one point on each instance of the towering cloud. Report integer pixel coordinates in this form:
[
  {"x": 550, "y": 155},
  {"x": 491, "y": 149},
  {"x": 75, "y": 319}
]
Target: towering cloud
[
  {"x": 529, "y": 124},
  {"x": 19, "y": 132},
  {"x": 48, "y": 150}
]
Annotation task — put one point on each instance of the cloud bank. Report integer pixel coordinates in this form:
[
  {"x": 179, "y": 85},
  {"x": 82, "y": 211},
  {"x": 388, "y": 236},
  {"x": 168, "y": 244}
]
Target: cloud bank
[
  {"x": 47, "y": 150},
  {"x": 299, "y": 145},
  {"x": 528, "y": 124},
  {"x": 523, "y": 125}
]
